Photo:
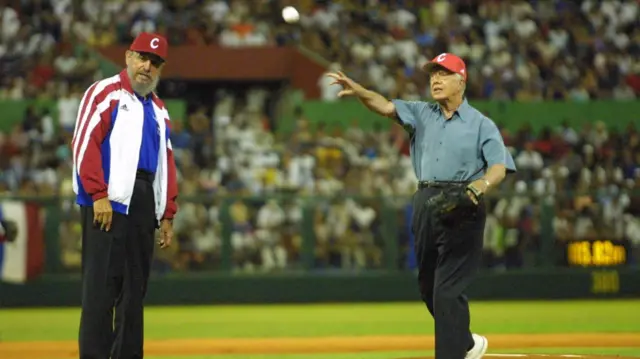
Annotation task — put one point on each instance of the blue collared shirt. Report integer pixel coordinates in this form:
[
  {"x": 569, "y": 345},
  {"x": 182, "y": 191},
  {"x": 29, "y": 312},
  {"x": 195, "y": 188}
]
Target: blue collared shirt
[
  {"x": 458, "y": 149},
  {"x": 150, "y": 146}
]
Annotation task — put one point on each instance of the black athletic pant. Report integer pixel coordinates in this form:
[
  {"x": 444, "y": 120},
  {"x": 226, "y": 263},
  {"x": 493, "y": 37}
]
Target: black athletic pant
[
  {"x": 447, "y": 257},
  {"x": 115, "y": 271}
]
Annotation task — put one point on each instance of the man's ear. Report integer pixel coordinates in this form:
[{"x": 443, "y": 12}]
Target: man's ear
[{"x": 129, "y": 56}]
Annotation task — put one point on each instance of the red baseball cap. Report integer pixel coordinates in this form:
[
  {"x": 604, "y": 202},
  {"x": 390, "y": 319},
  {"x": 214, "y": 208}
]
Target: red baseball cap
[
  {"x": 448, "y": 61},
  {"x": 150, "y": 43}
]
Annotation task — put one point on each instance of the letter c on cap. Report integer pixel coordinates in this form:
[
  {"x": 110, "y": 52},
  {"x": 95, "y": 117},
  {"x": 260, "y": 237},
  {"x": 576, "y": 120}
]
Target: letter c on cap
[
  {"x": 441, "y": 57},
  {"x": 154, "y": 43}
]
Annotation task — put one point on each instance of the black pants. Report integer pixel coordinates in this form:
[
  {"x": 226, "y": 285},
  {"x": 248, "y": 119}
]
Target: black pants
[
  {"x": 115, "y": 272},
  {"x": 447, "y": 257}
]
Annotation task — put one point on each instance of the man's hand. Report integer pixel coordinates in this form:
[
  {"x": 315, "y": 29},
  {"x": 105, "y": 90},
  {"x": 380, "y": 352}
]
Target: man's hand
[
  {"x": 374, "y": 101},
  {"x": 479, "y": 188},
  {"x": 166, "y": 233},
  {"x": 102, "y": 213},
  {"x": 349, "y": 87},
  {"x": 452, "y": 205}
]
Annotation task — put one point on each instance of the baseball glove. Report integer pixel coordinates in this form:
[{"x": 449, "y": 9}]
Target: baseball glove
[
  {"x": 452, "y": 206},
  {"x": 10, "y": 230}
]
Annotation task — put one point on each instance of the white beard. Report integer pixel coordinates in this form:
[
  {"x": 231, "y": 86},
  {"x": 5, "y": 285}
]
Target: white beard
[{"x": 142, "y": 89}]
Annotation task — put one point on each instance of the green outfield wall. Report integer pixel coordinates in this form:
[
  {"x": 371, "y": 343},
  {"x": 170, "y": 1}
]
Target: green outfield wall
[
  {"x": 511, "y": 115},
  {"x": 313, "y": 288}
]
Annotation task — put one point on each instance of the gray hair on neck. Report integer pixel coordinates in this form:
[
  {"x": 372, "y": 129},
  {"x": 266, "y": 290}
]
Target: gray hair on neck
[{"x": 464, "y": 83}]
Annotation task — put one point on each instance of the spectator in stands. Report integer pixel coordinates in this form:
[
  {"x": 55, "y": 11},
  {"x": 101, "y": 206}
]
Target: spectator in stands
[
  {"x": 68, "y": 104},
  {"x": 206, "y": 245},
  {"x": 269, "y": 222},
  {"x": 529, "y": 162},
  {"x": 243, "y": 241}
]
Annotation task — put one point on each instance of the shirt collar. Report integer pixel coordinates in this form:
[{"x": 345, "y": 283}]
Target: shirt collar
[
  {"x": 126, "y": 83},
  {"x": 463, "y": 111},
  {"x": 145, "y": 100}
]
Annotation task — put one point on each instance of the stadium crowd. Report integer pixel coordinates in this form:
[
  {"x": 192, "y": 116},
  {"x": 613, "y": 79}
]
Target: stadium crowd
[
  {"x": 519, "y": 50},
  {"x": 515, "y": 50}
]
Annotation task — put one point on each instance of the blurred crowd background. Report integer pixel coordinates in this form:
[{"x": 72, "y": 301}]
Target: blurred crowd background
[{"x": 228, "y": 148}]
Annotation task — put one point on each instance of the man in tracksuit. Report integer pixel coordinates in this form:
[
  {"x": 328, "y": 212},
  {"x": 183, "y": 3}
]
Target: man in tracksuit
[{"x": 125, "y": 182}]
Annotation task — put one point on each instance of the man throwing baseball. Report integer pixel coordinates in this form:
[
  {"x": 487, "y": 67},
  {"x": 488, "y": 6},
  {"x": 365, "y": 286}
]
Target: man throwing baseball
[{"x": 458, "y": 156}]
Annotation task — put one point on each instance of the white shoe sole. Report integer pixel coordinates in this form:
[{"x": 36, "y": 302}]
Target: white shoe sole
[{"x": 483, "y": 348}]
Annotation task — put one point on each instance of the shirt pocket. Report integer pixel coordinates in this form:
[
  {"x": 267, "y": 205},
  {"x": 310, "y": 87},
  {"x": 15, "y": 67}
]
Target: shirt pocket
[{"x": 465, "y": 150}]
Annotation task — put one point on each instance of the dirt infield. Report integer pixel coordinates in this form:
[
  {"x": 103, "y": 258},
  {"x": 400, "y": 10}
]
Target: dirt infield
[
  {"x": 545, "y": 356},
  {"x": 179, "y": 347}
]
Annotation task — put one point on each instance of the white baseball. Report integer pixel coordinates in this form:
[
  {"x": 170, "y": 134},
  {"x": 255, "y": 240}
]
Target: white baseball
[{"x": 290, "y": 14}]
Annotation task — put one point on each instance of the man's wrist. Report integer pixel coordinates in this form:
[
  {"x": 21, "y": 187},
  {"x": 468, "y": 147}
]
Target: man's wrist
[
  {"x": 99, "y": 195},
  {"x": 487, "y": 184},
  {"x": 481, "y": 185}
]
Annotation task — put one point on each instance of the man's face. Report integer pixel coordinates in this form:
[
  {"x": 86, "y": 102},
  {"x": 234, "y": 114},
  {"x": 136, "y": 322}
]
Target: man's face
[
  {"x": 444, "y": 83},
  {"x": 144, "y": 71}
]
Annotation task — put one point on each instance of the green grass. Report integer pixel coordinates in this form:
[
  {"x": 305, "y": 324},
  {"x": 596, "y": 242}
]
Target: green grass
[
  {"x": 629, "y": 352},
  {"x": 335, "y": 320}
]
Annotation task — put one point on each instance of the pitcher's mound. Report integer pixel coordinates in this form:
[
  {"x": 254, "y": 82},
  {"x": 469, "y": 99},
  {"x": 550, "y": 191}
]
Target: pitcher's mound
[{"x": 543, "y": 356}]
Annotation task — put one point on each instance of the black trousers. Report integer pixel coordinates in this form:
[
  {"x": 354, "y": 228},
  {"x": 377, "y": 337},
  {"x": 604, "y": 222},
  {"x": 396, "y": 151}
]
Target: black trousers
[
  {"x": 115, "y": 272},
  {"x": 447, "y": 257}
]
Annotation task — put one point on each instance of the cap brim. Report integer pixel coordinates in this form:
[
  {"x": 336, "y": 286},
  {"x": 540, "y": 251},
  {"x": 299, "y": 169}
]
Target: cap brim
[
  {"x": 162, "y": 59},
  {"x": 430, "y": 66},
  {"x": 147, "y": 52}
]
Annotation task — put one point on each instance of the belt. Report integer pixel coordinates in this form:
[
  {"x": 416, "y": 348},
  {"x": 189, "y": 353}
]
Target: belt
[
  {"x": 145, "y": 176},
  {"x": 441, "y": 184}
]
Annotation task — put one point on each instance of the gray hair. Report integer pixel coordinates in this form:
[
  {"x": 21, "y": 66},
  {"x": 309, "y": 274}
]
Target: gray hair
[{"x": 464, "y": 83}]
